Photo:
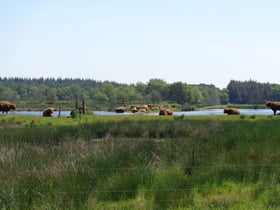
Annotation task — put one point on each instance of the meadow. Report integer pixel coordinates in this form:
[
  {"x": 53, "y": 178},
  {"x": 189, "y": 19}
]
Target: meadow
[{"x": 140, "y": 162}]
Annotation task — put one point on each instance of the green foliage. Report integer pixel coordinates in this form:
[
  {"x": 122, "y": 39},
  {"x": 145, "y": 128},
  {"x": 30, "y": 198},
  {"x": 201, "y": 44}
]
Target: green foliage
[
  {"x": 252, "y": 92},
  {"x": 188, "y": 108},
  {"x": 37, "y": 94},
  {"x": 75, "y": 114},
  {"x": 177, "y": 93}
]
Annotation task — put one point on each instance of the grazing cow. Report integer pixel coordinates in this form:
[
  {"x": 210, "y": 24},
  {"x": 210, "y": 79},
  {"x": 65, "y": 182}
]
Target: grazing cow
[
  {"x": 274, "y": 106},
  {"x": 6, "y": 106},
  {"x": 231, "y": 111},
  {"x": 48, "y": 112},
  {"x": 165, "y": 111}
]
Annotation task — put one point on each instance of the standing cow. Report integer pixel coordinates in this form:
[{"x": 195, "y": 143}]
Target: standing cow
[
  {"x": 6, "y": 106},
  {"x": 274, "y": 106}
]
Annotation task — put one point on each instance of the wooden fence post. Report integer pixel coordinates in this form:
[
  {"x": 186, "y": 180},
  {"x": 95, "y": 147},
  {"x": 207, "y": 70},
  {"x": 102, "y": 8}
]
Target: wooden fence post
[
  {"x": 76, "y": 106},
  {"x": 59, "y": 110},
  {"x": 83, "y": 104}
]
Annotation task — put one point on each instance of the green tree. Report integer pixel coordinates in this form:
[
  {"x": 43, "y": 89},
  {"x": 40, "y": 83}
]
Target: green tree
[
  {"x": 8, "y": 94},
  {"x": 224, "y": 99},
  {"x": 212, "y": 95},
  {"x": 78, "y": 93},
  {"x": 177, "y": 93},
  {"x": 140, "y": 88},
  {"x": 108, "y": 89},
  {"x": 51, "y": 95},
  {"x": 153, "y": 97},
  {"x": 100, "y": 98},
  {"x": 235, "y": 92},
  {"x": 196, "y": 96},
  {"x": 158, "y": 85},
  {"x": 65, "y": 93},
  {"x": 39, "y": 92},
  {"x": 22, "y": 91},
  {"x": 275, "y": 92}
]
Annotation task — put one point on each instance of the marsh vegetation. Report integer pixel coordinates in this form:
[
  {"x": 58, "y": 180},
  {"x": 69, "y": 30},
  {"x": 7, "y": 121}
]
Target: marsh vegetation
[{"x": 140, "y": 162}]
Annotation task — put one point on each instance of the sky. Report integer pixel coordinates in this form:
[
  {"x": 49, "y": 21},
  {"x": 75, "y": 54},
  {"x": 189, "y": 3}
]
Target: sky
[{"x": 131, "y": 41}]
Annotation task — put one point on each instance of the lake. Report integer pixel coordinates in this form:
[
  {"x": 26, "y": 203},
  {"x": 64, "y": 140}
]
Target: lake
[{"x": 188, "y": 113}]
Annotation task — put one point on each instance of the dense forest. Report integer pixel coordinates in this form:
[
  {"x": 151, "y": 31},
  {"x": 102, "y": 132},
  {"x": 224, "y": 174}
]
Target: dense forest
[{"x": 107, "y": 94}]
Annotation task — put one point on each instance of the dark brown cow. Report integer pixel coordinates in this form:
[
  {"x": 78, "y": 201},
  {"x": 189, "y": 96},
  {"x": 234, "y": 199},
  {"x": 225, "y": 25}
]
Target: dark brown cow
[
  {"x": 48, "y": 112},
  {"x": 274, "y": 106},
  {"x": 80, "y": 110},
  {"x": 231, "y": 111},
  {"x": 121, "y": 109},
  {"x": 6, "y": 106}
]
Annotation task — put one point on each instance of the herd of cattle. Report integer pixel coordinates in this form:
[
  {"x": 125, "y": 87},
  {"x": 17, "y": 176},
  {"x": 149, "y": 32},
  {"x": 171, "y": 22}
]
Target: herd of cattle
[
  {"x": 6, "y": 106},
  {"x": 145, "y": 108}
]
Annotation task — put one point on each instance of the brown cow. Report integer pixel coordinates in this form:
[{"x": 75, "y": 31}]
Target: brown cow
[
  {"x": 6, "y": 106},
  {"x": 165, "y": 111},
  {"x": 48, "y": 112},
  {"x": 133, "y": 109},
  {"x": 144, "y": 108},
  {"x": 274, "y": 106},
  {"x": 231, "y": 111}
]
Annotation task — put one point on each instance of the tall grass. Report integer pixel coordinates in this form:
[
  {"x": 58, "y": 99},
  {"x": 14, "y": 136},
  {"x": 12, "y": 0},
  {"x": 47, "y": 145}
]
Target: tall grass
[{"x": 139, "y": 162}]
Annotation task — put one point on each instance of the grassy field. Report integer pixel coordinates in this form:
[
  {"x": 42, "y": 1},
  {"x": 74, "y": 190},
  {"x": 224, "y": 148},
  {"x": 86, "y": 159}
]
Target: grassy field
[{"x": 140, "y": 162}]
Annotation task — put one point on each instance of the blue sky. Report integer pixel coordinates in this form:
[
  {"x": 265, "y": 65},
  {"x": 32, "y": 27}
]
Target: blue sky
[{"x": 206, "y": 41}]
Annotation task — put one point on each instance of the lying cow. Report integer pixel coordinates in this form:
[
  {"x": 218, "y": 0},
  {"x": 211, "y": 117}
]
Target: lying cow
[
  {"x": 165, "y": 111},
  {"x": 274, "y": 106},
  {"x": 6, "y": 106},
  {"x": 48, "y": 112},
  {"x": 121, "y": 109},
  {"x": 231, "y": 111}
]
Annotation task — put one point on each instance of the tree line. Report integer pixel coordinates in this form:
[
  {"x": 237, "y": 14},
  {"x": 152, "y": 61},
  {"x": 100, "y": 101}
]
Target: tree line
[
  {"x": 252, "y": 92},
  {"x": 107, "y": 94}
]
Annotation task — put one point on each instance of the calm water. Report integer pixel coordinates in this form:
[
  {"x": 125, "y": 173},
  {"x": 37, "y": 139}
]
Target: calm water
[{"x": 189, "y": 113}]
